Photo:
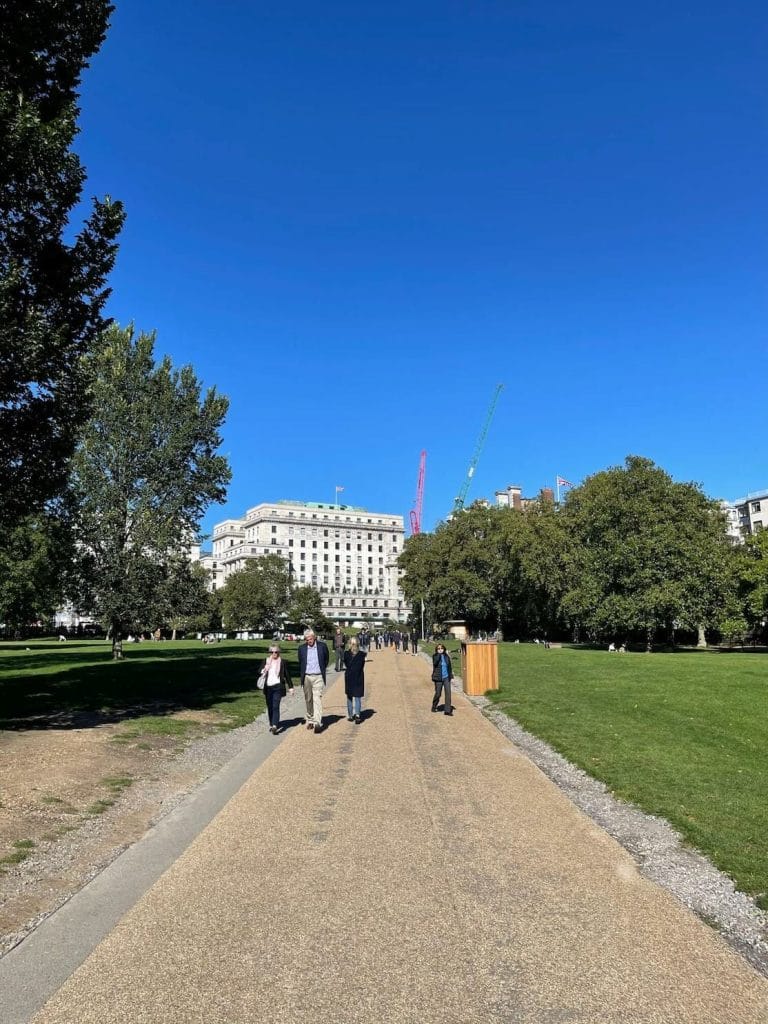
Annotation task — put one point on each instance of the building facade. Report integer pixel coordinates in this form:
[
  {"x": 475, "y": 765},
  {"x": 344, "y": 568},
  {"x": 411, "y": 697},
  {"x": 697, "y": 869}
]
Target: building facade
[
  {"x": 749, "y": 514},
  {"x": 346, "y": 553}
]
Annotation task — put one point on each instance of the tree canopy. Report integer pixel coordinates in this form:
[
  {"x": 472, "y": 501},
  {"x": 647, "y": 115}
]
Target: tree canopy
[
  {"x": 52, "y": 291},
  {"x": 143, "y": 474},
  {"x": 629, "y": 551},
  {"x": 258, "y": 596}
]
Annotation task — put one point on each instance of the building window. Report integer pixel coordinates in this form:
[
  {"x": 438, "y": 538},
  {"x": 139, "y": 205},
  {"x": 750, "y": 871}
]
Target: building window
[
  {"x": 755, "y": 506},
  {"x": 274, "y": 540},
  {"x": 274, "y": 528}
]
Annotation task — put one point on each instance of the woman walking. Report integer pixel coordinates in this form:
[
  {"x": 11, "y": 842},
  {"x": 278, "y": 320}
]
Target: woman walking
[
  {"x": 275, "y": 679},
  {"x": 442, "y": 674},
  {"x": 354, "y": 680}
]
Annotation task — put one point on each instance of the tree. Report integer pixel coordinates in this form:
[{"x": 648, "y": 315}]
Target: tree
[
  {"x": 306, "y": 606},
  {"x": 51, "y": 292},
  {"x": 751, "y": 575},
  {"x": 258, "y": 595},
  {"x": 144, "y": 472},
  {"x": 644, "y": 553},
  {"x": 35, "y": 565},
  {"x": 185, "y": 596}
]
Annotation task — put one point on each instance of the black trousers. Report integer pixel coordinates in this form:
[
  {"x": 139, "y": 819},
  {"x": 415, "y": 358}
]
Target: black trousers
[
  {"x": 273, "y": 696},
  {"x": 438, "y": 690}
]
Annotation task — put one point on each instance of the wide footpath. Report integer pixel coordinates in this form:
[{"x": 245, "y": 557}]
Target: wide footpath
[{"x": 412, "y": 868}]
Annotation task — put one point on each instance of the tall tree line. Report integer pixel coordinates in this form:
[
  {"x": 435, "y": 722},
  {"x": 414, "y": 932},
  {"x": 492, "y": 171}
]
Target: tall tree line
[{"x": 630, "y": 552}]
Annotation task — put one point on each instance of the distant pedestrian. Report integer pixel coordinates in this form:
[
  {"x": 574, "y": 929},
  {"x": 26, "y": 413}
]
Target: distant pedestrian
[
  {"x": 313, "y": 661},
  {"x": 414, "y": 642},
  {"x": 442, "y": 673},
  {"x": 354, "y": 680},
  {"x": 276, "y": 678},
  {"x": 339, "y": 643}
]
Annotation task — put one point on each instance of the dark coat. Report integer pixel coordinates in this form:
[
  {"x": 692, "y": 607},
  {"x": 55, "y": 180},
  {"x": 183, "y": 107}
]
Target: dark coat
[
  {"x": 354, "y": 674},
  {"x": 436, "y": 672},
  {"x": 322, "y": 657},
  {"x": 285, "y": 675}
]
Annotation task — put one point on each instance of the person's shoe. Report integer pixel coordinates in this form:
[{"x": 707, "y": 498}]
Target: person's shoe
[
  {"x": 434, "y": 708},
  {"x": 449, "y": 713},
  {"x": 272, "y": 729},
  {"x": 310, "y": 725},
  {"x": 350, "y": 718},
  {"x": 358, "y": 719},
  {"x": 317, "y": 728}
]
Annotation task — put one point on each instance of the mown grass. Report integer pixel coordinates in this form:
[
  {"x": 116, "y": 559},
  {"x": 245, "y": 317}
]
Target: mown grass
[
  {"x": 684, "y": 736},
  {"x": 76, "y": 685}
]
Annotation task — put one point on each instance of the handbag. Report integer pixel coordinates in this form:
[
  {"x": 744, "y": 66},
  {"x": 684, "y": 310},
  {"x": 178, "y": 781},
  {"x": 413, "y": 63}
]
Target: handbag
[{"x": 262, "y": 680}]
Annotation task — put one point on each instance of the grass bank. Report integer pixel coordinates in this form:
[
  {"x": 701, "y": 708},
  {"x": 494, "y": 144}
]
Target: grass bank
[{"x": 684, "y": 736}]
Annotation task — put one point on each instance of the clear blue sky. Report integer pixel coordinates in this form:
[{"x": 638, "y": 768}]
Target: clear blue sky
[{"x": 354, "y": 219}]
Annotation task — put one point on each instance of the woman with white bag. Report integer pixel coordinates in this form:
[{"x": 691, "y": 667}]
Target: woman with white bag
[{"x": 275, "y": 680}]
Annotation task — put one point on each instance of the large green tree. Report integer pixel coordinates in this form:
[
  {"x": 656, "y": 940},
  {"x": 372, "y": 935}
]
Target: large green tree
[
  {"x": 143, "y": 474},
  {"x": 646, "y": 553},
  {"x": 258, "y": 596},
  {"x": 52, "y": 290},
  {"x": 35, "y": 569},
  {"x": 306, "y": 607}
]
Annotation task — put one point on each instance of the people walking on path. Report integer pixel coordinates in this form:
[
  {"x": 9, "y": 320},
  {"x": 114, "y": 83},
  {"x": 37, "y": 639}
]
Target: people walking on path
[
  {"x": 442, "y": 673},
  {"x": 277, "y": 681},
  {"x": 339, "y": 643},
  {"x": 414, "y": 642},
  {"x": 354, "y": 680},
  {"x": 313, "y": 661}
]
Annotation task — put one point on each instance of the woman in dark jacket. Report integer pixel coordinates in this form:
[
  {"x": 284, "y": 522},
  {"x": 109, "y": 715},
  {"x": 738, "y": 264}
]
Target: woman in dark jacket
[
  {"x": 276, "y": 679},
  {"x": 442, "y": 674},
  {"x": 354, "y": 679}
]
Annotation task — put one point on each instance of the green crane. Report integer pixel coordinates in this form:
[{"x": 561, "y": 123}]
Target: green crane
[{"x": 458, "y": 504}]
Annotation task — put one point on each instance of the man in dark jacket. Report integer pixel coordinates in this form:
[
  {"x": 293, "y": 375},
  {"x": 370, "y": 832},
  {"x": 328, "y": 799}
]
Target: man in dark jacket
[{"x": 313, "y": 661}]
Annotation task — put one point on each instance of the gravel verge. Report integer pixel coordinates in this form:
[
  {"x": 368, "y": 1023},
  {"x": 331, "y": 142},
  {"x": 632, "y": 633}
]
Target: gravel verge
[
  {"x": 660, "y": 852},
  {"x": 84, "y": 853}
]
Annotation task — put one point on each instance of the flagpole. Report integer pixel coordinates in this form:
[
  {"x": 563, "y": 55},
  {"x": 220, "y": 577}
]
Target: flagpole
[{"x": 557, "y": 487}]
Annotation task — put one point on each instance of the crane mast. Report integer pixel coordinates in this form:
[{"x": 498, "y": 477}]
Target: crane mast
[
  {"x": 458, "y": 504},
  {"x": 416, "y": 511}
]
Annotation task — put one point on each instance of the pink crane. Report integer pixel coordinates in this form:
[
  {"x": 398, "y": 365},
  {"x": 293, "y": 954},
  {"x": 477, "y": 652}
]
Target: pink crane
[{"x": 416, "y": 512}]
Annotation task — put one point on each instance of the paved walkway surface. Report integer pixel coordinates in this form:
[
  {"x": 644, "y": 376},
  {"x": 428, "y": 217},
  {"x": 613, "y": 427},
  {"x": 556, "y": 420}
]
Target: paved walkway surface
[{"x": 414, "y": 868}]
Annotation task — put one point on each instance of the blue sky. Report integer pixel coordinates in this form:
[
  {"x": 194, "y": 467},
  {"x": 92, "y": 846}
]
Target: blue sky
[{"x": 355, "y": 219}]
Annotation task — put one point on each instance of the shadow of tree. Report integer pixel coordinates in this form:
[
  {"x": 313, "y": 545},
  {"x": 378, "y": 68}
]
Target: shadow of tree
[{"x": 43, "y": 692}]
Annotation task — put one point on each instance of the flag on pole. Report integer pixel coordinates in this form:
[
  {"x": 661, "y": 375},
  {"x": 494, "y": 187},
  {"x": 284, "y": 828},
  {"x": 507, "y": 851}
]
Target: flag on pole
[
  {"x": 562, "y": 482},
  {"x": 339, "y": 488}
]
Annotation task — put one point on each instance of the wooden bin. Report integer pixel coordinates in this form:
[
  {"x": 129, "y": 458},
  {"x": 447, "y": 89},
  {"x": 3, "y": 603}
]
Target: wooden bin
[{"x": 479, "y": 667}]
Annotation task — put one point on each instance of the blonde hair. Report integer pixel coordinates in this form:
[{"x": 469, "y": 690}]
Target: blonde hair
[{"x": 354, "y": 644}]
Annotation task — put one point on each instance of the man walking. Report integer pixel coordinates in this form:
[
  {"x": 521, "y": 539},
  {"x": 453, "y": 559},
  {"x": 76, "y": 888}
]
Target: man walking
[
  {"x": 339, "y": 646},
  {"x": 313, "y": 661}
]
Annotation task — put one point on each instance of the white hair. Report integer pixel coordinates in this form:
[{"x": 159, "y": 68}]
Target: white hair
[{"x": 308, "y": 633}]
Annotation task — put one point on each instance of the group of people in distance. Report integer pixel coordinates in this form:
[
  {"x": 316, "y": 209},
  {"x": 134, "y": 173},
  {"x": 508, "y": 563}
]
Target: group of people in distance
[{"x": 275, "y": 677}]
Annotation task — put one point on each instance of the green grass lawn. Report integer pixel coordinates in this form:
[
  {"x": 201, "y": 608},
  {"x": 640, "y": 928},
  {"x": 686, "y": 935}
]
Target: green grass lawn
[
  {"x": 51, "y": 685},
  {"x": 684, "y": 736}
]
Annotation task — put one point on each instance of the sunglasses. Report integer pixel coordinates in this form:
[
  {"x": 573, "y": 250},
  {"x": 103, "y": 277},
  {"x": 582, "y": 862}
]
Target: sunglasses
[{"x": 273, "y": 650}]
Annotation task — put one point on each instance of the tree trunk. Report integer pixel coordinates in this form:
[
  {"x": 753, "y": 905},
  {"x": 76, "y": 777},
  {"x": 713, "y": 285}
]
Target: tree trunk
[
  {"x": 702, "y": 641},
  {"x": 173, "y": 634},
  {"x": 648, "y": 639}
]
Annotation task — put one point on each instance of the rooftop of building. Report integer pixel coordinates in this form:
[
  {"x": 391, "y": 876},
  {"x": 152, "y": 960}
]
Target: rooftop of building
[{"x": 751, "y": 496}]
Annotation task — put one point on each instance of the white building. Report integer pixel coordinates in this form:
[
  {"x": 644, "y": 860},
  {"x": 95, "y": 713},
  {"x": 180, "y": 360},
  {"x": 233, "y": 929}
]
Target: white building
[
  {"x": 346, "y": 553},
  {"x": 751, "y": 512}
]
